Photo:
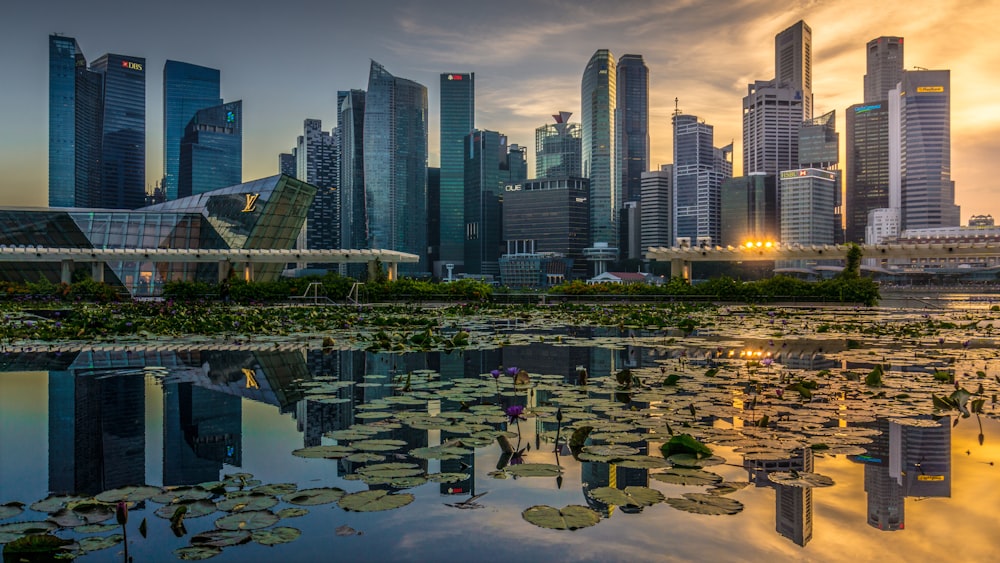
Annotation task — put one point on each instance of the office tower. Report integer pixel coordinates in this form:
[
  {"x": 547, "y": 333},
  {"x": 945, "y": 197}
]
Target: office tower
[
  {"x": 630, "y": 231},
  {"x": 351, "y": 123},
  {"x": 750, "y": 210},
  {"x": 920, "y": 118},
  {"x": 395, "y": 161},
  {"x": 808, "y": 197},
  {"x": 434, "y": 223},
  {"x": 487, "y": 171},
  {"x": 187, "y": 88},
  {"x": 211, "y": 151},
  {"x": 97, "y": 128},
  {"x": 315, "y": 156},
  {"x": 286, "y": 164},
  {"x": 867, "y": 165},
  {"x": 774, "y": 109},
  {"x": 657, "y": 208},
  {"x": 598, "y": 97},
  {"x": 885, "y": 68},
  {"x": 517, "y": 163},
  {"x": 458, "y": 118},
  {"x": 699, "y": 169},
  {"x": 819, "y": 142},
  {"x": 558, "y": 148},
  {"x": 202, "y": 430},
  {"x": 548, "y": 215},
  {"x": 633, "y": 124},
  {"x": 793, "y": 63}
]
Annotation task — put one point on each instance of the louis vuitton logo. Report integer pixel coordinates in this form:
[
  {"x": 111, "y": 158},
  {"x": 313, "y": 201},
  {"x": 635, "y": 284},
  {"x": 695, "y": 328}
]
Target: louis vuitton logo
[{"x": 251, "y": 204}]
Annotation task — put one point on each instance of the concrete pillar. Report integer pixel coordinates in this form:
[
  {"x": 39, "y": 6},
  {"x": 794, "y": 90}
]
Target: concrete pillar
[
  {"x": 67, "y": 271},
  {"x": 680, "y": 268},
  {"x": 97, "y": 271},
  {"x": 392, "y": 266},
  {"x": 224, "y": 268},
  {"x": 248, "y": 271},
  {"x": 372, "y": 270}
]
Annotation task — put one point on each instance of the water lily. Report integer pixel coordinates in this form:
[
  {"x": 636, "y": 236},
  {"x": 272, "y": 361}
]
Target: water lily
[
  {"x": 121, "y": 513},
  {"x": 512, "y": 371},
  {"x": 495, "y": 373},
  {"x": 514, "y": 412}
]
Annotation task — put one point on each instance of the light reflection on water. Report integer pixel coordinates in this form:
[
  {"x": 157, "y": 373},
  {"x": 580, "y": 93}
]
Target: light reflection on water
[{"x": 210, "y": 417}]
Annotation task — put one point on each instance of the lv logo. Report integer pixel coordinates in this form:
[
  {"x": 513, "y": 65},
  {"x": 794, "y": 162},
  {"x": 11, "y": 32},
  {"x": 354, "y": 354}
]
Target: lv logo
[{"x": 251, "y": 204}]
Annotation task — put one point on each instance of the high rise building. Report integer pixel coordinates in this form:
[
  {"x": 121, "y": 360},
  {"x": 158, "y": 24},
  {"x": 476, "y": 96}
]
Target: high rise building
[
  {"x": 316, "y": 153},
  {"x": 819, "y": 143},
  {"x": 458, "y": 119},
  {"x": 793, "y": 63},
  {"x": 750, "y": 210},
  {"x": 885, "y": 67},
  {"x": 395, "y": 157},
  {"x": 187, "y": 88},
  {"x": 353, "y": 217},
  {"x": 920, "y": 118},
  {"x": 599, "y": 97},
  {"x": 97, "y": 128},
  {"x": 211, "y": 151},
  {"x": 808, "y": 198},
  {"x": 867, "y": 165},
  {"x": 286, "y": 163},
  {"x": 548, "y": 215},
  {"x": 558, "y": 148},
  {"x": 517, "y": 163},
  {"x": 699, "y": 169},
  {"x": 657, "y": 208},
  {"x": 487, "y": 171},
  {"x": 633, "y": 124}
]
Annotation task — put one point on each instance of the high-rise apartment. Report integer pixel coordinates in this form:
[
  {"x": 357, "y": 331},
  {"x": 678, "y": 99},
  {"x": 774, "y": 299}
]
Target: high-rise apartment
[
  {"x": 558, "y": 148},
  {"x": 395, "y": 156},
  {"x": 458, "y": 113},
  {"x": 97, "y": 128},
  {"x": 187, "y": 88},
  {"x": 633, "y": 124},
  {"x": 599, "y": 97},
  {"x": 315, "y": 152},
  {"x": 211, "y": 151},
  {"x": 699, "y": 169}
]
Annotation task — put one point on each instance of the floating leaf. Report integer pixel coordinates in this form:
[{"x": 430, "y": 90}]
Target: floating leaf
[
  {"x": 326, "y": 452},
  {"x": 313, "y": 497},
  {"x": 799, "y": 479},
  {"x": 11, "y": 509},
  {"x": 447, "y": 477},
  {"x": 572, "y": 517},
  {"x": 378, "y": 445},
  {"x": 631, "y": 496},
  {"x": 365, "y": 457},
  {"x": 642, "y": 462},
  {"x": 53, "y": 503},
  {"x": 609, "y": 450},
  {"x": 692, "y": 460},
  {"x": 687, "y": 476},
  {"x": 32, "y": 527},
  {"x": 275, "y": 536},
  {"x": 96, "y": 543},
  {"x": 197, "y": 553},
  {"x": 221, "y": 538},
  {"x": 179, "y": 494},
  {"x": 684, "y": 444},
  {"x": 346, "y": 530},
  {"x": 535, "y": 470},
  {"x": 251, "y": 520},
  {"x": 703, "y": 503},
  {"x": 192, "y": 509},
  {"x": 249, "y": 502},
  {"x": 96, "y": 528},
  {"x": 93, "y": 512},
  {"x": 66, "y": 518},
  {"x": 292, "y": 512},
  {"x": 129, "y": 494},
  {"x": 374, "y": 500}
]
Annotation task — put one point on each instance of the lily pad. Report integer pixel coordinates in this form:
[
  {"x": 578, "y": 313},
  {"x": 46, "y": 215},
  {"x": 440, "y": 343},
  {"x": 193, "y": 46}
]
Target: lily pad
[
  {"x": 193, "y": 509},
  {"x": 96, "y": 543},
  {"x": 447, "y": 477},
  {"x": 572, "y": 517},
  {"x": 374, "y": 500},
  {"x": 292, "y": 512},
  {"x": 642, "y": 462},
  {"x": 274, "y": 536},
  {"x": 799, "y": 479},
  {"x": 197, "y": 552},
  {"x": 378, "y": 445},
  {"x": 687, "y": 476},
  {"x": 246, "y": 503},
  {"x": 31, "y": 527},
  {"x": 610, "y": 450},
  {"x": 630, "y": 496},
  {"x": 178, "y": 494},
  {"x": 326, "y": 452},
  {"x": 221, "y": 538},
  {"x": 129, "y": 494},
  {"x": 365, "y": 457},
  {"x": 250, "y": 520},
  {"x": 692, "y": 460},
  {"x": 535, "y": 470},
  {"x": 312, "y": 497},
  {"x": 11, "y": 509},
  {"x": 703, "y": 503},
  {"x": 66, "y": 518},
  {"x": 96, "y": 528},
  {"x": 53, "y": 503}
]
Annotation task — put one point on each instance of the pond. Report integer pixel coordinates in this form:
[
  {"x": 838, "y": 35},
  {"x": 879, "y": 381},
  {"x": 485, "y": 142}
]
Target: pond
[{"x": 825, "y": 443}]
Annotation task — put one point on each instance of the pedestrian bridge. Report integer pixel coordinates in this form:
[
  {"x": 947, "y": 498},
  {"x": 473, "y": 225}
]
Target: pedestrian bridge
[
  {"x": 680, "y": 258},
  {"x": 238, "y": 260}
]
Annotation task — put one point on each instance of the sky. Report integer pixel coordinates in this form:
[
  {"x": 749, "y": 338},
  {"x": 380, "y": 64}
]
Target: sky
[{"x": 287, "y": 60}]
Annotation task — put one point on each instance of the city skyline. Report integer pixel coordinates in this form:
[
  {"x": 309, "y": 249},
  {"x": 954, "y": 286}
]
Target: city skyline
[{"x": 521, "y": 83}]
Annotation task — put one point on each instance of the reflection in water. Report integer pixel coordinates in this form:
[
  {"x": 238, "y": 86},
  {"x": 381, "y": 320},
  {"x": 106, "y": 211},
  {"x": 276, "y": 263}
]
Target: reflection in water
[{"x": 793, "y": 506}]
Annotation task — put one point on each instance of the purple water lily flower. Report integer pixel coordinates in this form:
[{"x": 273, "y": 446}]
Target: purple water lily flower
[
  {"x": 514, "y": 412},
  {"x": 495, "y": 373},
  {"x": 512, "y": 371},
  {"x": 767, "y": 361}
]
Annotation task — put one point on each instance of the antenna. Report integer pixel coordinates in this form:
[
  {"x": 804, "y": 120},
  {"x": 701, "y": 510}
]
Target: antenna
[
  {"x": 919, "y": 68},
  {"x": 677, "y": 109}
]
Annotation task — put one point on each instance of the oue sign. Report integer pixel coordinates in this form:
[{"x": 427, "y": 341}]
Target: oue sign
[{"x": 512, "y": 188}]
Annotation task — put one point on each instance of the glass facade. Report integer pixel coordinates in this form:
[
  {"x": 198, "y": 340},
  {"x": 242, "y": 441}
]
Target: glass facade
[
  {"x": 633, "y": 124},
  {"x": 487, "y": 171},
  {"x": 808, "y": 199},
  {"x": 395, "y": 162},
  {"x": 64, "y": 54},
  {"x": 699, "y": 169},
  {"x": 217, "y": 219},
  {"x": 187, "y": 88},
  {"x": 458, "y": 112},
  {"x": 316, "y": 154},
  {"x": 749, "y": 210},
  {"x": 558, "y": 148},
  {"x": 211, "y": 155},
  {"x": 598, "y": 96},
  {"x": 548, "y": 215},
  {"x": 353, "y": 217},
  {"x": 867, "y": 165},
  {"x": 657, "y": 208},
  {"x": 819, "y": 143},
  {"x": 123, "y": 132}
]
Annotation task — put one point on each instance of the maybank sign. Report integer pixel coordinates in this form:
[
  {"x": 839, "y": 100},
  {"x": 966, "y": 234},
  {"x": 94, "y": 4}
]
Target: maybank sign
[
  {"x": 929, "y": 89},
  {"x": 132, "y": 65}
]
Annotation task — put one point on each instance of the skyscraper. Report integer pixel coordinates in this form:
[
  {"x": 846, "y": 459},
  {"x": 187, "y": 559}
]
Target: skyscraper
[
  {"x": 793, "y": 63},
  {"x": 599, "y": 97},
  {"x": 922, "y": 124},
  {"x": 395, "y": 145},
  {"x": 558, "y": 148},
  {"x": 749, "y": 209},
  {"x": 187, "y": 88},
  {"x": 353, "y": 218},
  {"x": 315, "y": 154},
  {"x": 885, "y": 67},
  {"x": 657, "y": 207},
  {"x": 97, "y": 128},
  {"x": 458, "y": 117},
  {"x": 211, "y": 151},
  {"x": 286, "y": 164},
  {"x": 699, "y": 169},
  {"x": 487, "y": 171},
  {"x": 633, "y": 124}
]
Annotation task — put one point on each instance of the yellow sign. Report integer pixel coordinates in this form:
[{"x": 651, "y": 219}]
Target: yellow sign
[
  {"x": 251, "y": 378},
  {"x": 251, "y": 205},
  {"x": 927, "y": 89},
  {"x": 930, "y": 477}
]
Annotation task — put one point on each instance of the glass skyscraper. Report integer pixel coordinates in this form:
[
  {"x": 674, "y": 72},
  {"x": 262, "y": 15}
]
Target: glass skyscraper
[
  {"x": 458, "y": 112},
  {"x": 353, "y": 217},
  {"x": 395, "y": 156},
  {"x": 187, "y": 88},
  {"x": 598, "y": 97},
  {"x": 633, "y": 124},
  {"x": 316, "y": 157},
  {"x": 97, "y": 128},
  {"x": 211, "y": 155},
  {"x": 699, "y": 169},
  {"x": 487, "y": 171},
  {"x": 884, "y": 67},
  {"x": 558, "y": 148}
]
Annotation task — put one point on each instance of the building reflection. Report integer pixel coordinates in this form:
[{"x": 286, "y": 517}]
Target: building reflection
[{"x": 793, "y": 506}]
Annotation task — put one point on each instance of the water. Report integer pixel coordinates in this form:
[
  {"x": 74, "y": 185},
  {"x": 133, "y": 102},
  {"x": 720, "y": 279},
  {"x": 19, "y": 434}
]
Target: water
[{"x": 99, "y": 419}]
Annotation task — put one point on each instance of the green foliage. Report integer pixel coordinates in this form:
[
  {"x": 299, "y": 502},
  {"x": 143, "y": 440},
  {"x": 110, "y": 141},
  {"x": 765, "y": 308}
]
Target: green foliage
[{"x": 684, "y": 444}]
